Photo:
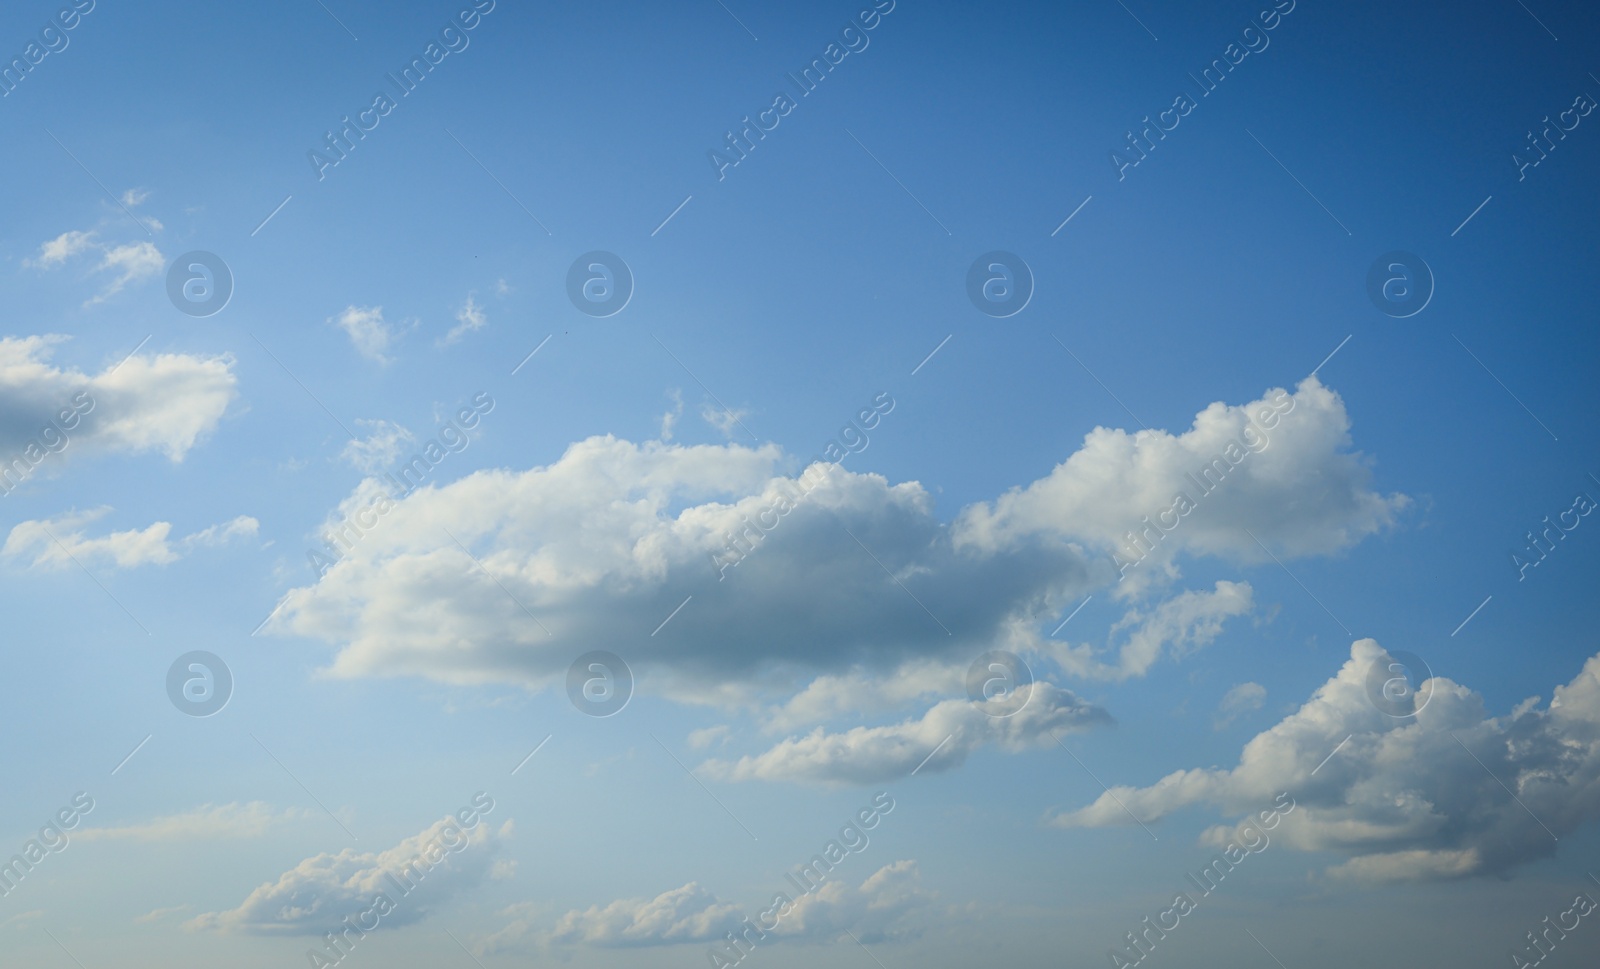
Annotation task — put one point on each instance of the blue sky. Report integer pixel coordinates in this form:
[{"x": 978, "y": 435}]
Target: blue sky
[{"x": 823, "y": 276}]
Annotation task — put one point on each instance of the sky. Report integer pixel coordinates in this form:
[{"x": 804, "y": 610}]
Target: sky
[{"x": 723, "y": 483}]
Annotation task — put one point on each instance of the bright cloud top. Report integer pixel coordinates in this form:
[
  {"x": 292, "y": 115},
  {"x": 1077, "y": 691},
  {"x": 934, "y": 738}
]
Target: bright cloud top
[
  {"x": 165, "y": 402},
  {"x": 1407, "y": 798},
  {"x": 1279, "y": 468}
]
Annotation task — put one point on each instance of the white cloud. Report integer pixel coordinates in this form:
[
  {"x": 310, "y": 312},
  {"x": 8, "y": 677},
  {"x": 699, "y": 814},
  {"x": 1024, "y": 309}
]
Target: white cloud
[
  {"x": 889, "y": 904},
  {"x": 252, "y": 820},
  {"x": 380, "y": 449},
  {"x": 368, "y": 332},
  {"x": 131, "y": 262},
  {"x": 687, "y": 914},
  {"x": 942, "y": 738},
  {"x": 317, "y": 894},
  {"x": 1408, "y": 798},
  {"x": 126, "y": 262},
  {"x": 165, "y": 402},
  {"x": 58, "y": 543},
  {"x": 63, "y": 247},
  {"x": 469, "y": 319},
  {"x": 832, "y": 695},
  {"x": 1179, "y": 625},
  {"x": 604, "y": 543},
  {"x": 1241, "y": 699},
  {"x": 1294, "y": 485}
]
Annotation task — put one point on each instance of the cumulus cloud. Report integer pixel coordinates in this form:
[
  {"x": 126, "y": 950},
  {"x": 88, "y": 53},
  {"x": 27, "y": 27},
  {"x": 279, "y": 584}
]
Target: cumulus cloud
[
  {"x": 59, "y": 542},
  {"x": 849, "y": 594},
  {"x": 1406, "y": 798},
  {"x": 165, "y": 402},
  {"x": 369, "y": 333},
  {"x": 1281, "y": 470},
  {"x": 940, "y": 740},
  {"x": 469, "y": 319},
  {"x": 252, "y": 820},
  {"x": 606, "y": 542},
  {"x": 1239, "y": 700},
  {"x": 317, "y": 894},
  {"x": 885, "y": 906}
]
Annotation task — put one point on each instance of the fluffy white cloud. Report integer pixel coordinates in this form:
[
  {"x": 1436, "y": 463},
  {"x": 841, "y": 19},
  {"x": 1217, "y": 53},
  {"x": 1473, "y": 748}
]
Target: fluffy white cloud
[
  {"x": 252, "y": 820},
  {"x": 1406, "y": 798},
  {"x": 125, "y": 262},
  {"x": 1280, "y": 468},
  {"x": 687, "y": 914},
  {"x": 469, "y": 319},
  {"x": 316, "y": 895},
  {"x": 943, "y": 737},
  {"x": 369, "y": 333},
  {"x": 602, "y": 545},
  {"x": 63, "y": 247},
  {"x": 848, "y": 593},
  {"x": 889, "y": 904},
  {"x": 57, "y": 543},
  {"x": 165, "y": 402}
]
